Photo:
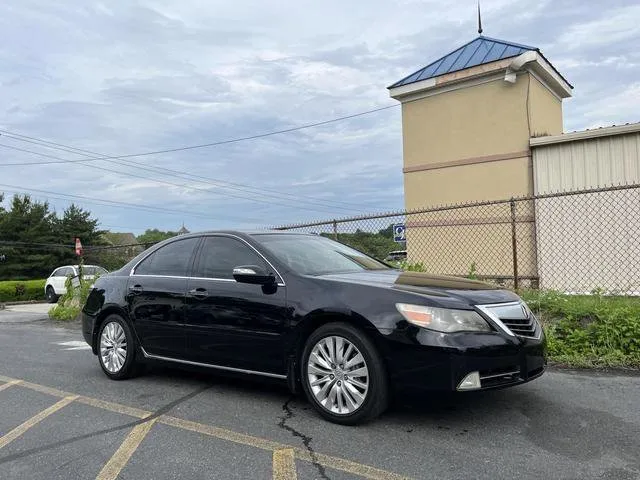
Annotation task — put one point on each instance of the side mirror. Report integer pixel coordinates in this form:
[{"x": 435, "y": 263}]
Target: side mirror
[{"x": 254, "y": 275}]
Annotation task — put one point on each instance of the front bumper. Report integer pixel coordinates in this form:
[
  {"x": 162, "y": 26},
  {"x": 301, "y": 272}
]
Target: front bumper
[{"x": 433, "y": 361}]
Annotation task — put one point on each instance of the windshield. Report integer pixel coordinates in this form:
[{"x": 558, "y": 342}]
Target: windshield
[
  {"x": 316, "y": 255},
  {"x": 90, "y": 270}
]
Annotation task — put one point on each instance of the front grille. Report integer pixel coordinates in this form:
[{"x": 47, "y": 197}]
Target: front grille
[
  {"x": 516, "y": 317},
  {"x": 521, "y": 327}
]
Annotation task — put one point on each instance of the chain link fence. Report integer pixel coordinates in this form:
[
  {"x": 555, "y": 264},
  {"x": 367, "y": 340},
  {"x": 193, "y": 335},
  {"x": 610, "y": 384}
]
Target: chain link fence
[{"x": 574, "y": 242}]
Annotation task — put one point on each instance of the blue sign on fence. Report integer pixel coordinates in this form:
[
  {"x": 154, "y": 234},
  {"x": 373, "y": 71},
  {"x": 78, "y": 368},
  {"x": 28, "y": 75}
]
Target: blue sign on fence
[{"x": 399, "y": 233}]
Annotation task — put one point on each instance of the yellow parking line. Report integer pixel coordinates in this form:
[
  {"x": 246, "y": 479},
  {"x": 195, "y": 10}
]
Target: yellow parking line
[
  {"x": 222, "y": 433},
  {"x": 284, "y": 465},
  {"x": 334, "y": 463},
  {"x": 47, "y": 390},
  {"x": 119, "y": 459},
  {"x": 348, "y": 466},
  {"x": 114, "y": 407},
  {"x": 9, "y": 383},
  {"x": 22, "y": 428}
]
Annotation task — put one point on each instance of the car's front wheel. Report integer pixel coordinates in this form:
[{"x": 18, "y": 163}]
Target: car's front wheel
[
  {"x": 116, "y": 348},
  {"x": 343, "y": 374}
]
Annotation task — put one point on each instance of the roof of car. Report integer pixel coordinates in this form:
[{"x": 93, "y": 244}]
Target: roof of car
[
  {"x": 242, "y": 232},
  {"x": 76, "y": 265}
]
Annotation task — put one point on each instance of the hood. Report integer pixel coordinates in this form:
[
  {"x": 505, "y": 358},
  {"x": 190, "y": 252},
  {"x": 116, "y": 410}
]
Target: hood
[{"x": 471, "y": 292}]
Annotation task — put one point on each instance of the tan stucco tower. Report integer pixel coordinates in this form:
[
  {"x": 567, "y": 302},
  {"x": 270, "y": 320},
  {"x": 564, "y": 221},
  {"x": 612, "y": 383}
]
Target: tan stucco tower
[
  {"x": 466, "y": 123},
  {"x": 467, "y": 119}
]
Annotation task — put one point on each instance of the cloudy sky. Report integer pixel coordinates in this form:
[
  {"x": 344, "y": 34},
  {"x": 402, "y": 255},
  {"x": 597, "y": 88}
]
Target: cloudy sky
[{"x": 125, "y": 77}]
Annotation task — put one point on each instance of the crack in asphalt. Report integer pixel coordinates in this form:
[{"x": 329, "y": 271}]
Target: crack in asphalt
[
  {"x": 306, "y": 440},
  {"x": 161, "y": 411}
]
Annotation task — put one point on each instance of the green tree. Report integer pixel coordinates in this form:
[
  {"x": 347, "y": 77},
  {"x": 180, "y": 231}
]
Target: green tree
[
  {"x": 376, "y": 244},
  {"x": 77, "y": 222},
  {"x": 31, "y": 236},
  {"x": 151, "y": 236},
  {"x": 25, "y": 223}
]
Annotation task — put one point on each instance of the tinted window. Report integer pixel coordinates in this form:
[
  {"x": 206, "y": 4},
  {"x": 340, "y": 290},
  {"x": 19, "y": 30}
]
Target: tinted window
[
  {"x": 219, "y": 256},
  {"x": 172, "y": 259},
  {"x": 316, "y": 255},
  {"x": 64, "y": 271},
  {"x": 94, "y": 270}
]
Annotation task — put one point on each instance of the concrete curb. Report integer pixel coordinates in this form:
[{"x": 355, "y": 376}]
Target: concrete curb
[{"x": 25, "y": 302}]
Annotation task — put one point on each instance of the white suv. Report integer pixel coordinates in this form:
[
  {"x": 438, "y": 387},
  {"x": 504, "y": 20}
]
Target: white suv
[{"x": 55, "y": 284}]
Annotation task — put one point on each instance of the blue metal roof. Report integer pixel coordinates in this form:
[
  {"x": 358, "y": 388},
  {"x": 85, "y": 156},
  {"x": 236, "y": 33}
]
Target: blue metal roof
[{"x": 479, "y": 51}]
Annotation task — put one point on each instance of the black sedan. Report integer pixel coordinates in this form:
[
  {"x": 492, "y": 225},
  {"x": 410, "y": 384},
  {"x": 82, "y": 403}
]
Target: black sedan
[{"x": 343, "y": 327}]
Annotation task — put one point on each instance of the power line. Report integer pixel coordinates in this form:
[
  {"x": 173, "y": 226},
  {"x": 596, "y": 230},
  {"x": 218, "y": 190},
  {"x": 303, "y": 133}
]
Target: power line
[
  {"x": 19, "y": 244},
  {"x": 170, "y": 172},
  {"x": 164, "y": 182},
  {"x": 242, "y": 139},
  {"x": 115, "y": 203},
  {"x": 33, "y": 244}
]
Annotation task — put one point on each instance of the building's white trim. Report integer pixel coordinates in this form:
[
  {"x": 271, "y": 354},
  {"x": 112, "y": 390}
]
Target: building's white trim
[
  {"x": 529, "y": 61},
  {"x": 450, "y": 87},
  {"x": 538, "y": 64},
  {"x": 412, "y": 87},
  {"x": 585, "y": 134}
]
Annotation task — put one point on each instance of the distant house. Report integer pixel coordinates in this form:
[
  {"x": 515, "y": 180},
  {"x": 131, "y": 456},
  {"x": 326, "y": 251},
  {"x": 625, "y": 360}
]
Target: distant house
[
  {"x": 183, "y": 230},
  {"x": 127, "y": 241}
]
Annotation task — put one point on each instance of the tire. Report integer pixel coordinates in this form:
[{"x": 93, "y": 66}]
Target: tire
[
  {"x": 50, "y": 295},
  {"x": 336, "y": 397},
  {"x": 115, "y": 330}
]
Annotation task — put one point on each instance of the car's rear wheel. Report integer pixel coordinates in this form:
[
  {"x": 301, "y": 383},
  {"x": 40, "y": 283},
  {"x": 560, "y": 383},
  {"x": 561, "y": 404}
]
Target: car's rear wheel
[
  {"x": 116, "y": 348},
  {"x": 50, "y": 294},
  {"x": 343, "y": 374}
]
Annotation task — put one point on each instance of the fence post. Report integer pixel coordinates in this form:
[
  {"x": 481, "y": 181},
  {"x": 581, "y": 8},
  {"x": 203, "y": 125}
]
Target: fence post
[
  {"x": 335, "y": 230},
  {"x": 514, "y": 243}
]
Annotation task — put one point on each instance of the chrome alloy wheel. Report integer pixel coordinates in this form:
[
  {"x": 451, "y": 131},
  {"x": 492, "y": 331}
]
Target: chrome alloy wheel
[
  {"x": 113, "y": 347},
  {"x": 338, "y": 375}
]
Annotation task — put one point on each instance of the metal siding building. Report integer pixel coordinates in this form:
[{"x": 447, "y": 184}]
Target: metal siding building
[
  {"x": 566, "y": 235},
  {"x": 587, "y": 159}
]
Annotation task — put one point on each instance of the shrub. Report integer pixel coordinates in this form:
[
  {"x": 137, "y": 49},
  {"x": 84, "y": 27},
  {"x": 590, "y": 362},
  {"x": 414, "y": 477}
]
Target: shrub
[
  {"x": 411, "y": 267},
  {"x": 473, "y": 272},
  {"x": 21, "y": 290},
  {"x": 589, "y": 330},
  {"x": 70, "y": 304}
]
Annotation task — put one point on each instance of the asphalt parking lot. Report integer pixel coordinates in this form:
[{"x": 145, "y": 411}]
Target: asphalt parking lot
[{"x": 61, "y": 418}]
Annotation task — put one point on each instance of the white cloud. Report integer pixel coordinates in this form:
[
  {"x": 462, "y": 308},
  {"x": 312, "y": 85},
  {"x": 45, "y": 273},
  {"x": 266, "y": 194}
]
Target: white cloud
[
  {"x": 619, "y": 25},
  {"x": 136, "y": 75}
]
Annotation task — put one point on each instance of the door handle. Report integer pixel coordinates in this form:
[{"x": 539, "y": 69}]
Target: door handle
[
  {"x": 136, "y": 288},
  {"x": 198, "y": 293}
]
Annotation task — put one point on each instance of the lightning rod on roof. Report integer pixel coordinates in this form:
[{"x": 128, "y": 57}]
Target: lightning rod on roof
[{"x": 479, "y": 20}]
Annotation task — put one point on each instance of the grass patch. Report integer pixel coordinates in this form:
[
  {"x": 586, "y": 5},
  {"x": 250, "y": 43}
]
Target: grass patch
[
  {"x": 589, "y": 331},
  {"x": 21, "y": 290}
]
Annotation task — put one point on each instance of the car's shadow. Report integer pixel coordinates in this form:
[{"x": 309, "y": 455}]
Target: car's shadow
[{"x": 406, "y": 407}]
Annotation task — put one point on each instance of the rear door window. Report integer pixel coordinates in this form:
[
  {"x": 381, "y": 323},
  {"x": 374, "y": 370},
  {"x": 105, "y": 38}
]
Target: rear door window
[{"x": 173, "y": 259}]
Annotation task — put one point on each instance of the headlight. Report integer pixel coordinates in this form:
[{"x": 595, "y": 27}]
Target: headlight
[{"x": 443, "y": 319}]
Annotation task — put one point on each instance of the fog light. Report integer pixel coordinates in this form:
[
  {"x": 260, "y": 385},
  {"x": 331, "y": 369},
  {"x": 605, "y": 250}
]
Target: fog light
[{"x": 470, "y": 382}]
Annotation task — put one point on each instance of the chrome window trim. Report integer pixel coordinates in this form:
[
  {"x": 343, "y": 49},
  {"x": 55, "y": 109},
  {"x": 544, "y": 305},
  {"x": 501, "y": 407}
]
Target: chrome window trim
[
  {"x": 486, "y": 309},
  {"x": 210, "y": 365},
  {"x": 231, "y": 280},
  {"x": 281, "y": 283}
]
